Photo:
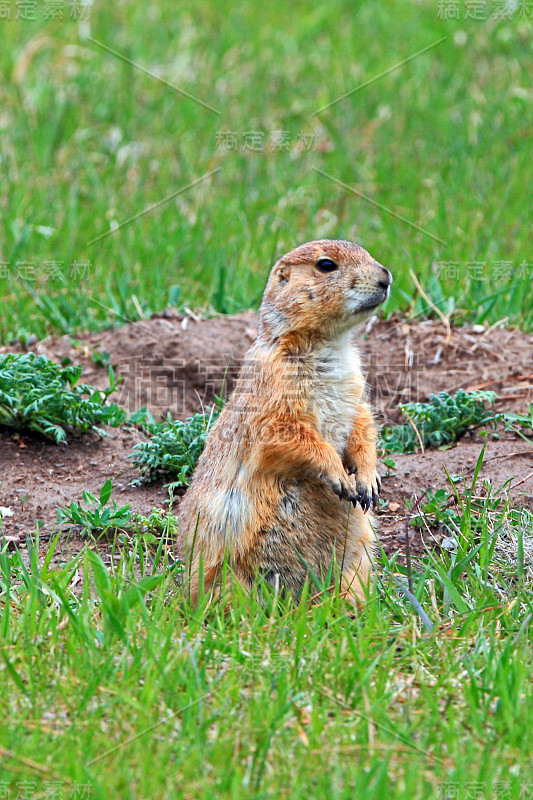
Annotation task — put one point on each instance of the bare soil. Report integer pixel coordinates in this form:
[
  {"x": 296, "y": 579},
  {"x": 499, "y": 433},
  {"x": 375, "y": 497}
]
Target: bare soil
[{"x": 179, "y": 363}]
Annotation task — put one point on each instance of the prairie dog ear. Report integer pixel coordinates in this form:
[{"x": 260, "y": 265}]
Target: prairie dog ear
[{"x": 283, "y": 273}]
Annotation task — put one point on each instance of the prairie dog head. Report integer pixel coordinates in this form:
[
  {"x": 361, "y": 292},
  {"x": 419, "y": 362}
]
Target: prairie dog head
[{"x": 322, "y": 289}]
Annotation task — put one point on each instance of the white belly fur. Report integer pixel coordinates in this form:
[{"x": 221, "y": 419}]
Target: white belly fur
[{"x": 337, "y": 367}]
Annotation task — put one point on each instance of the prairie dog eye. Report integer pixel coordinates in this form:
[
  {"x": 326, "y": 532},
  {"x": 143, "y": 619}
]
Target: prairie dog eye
[{"x": 326, "y": 265}]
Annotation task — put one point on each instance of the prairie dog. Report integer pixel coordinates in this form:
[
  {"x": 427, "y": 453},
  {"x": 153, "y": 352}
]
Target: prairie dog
[{"x": 288, "y": 472}]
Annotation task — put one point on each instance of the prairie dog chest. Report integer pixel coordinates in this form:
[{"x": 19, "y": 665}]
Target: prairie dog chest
[{"x": 336, "y": 387}]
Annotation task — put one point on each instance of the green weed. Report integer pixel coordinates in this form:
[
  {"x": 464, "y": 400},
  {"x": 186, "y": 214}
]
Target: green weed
[
  {"x": 173, "y": 448},
  {"x": 37, "y": 394},
  {"x": 437, "y": 510},
  {"x": 441, "y": 421},
  {"x": 101, "y": 517}
]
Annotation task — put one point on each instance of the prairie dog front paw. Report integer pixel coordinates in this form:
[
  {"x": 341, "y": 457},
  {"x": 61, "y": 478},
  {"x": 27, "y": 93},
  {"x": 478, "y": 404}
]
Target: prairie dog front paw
[
  {"x": 343, "y": 486},
  {"x": 368, "y": 489}
]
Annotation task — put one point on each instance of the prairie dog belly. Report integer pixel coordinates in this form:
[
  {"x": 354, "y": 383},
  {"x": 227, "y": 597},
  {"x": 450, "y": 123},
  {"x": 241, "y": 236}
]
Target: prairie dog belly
[
  {"x": 334, "y": 392},
  {"x": 308, "y": 528}
]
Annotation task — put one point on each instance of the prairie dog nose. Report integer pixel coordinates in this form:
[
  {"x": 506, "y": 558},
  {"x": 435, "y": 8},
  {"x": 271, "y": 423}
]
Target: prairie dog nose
[{"x": 385, "y": 279}]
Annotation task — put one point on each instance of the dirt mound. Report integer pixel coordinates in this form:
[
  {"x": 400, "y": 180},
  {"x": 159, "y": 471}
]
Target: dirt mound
[
  {"x": 179, "y": 363},
  {"x": 167, "y": 363}
]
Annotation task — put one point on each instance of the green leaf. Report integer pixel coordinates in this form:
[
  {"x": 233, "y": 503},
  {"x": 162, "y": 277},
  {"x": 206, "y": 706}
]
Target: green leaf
[{"x": 105, "y": 492}]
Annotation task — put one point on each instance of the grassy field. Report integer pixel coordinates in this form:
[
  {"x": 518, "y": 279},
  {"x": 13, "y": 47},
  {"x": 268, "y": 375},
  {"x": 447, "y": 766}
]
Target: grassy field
[
  {"x": 126, "y": 692},
  {"x": 119, "y": 689},
  {"x": 89, "y": 141}
]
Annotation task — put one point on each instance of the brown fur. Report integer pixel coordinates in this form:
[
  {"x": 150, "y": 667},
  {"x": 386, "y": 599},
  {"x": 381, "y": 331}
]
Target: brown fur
[{"x": 289, "y": 468}]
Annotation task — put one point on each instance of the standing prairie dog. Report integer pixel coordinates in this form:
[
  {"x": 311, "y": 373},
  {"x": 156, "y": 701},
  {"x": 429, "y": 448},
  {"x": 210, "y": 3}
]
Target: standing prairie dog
[{"x": 288, "y": 472}]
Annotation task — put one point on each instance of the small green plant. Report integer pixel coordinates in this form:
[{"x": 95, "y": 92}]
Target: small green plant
[
  {"x": 37, "y": 394},
  {"x": 441, "y": 421},
  {"x": 173, "y": 448},
  {"x": 436, "y": 511},
  {"x": 523, "y": 421},
  {"x": 390, "y": 464},
  {"x": 102, "y": 517},
  {"x": 155, "y": 535},
  {"x": 101, "y": 358},
  {"x": 141, "y": 418},
  {"x": 158, "y": 523}
]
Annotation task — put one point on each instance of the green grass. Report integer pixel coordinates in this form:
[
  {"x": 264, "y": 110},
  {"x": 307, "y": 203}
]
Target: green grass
[
  {"x": 126, "y": 689},
  {"x": 88, "y": 141}
]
